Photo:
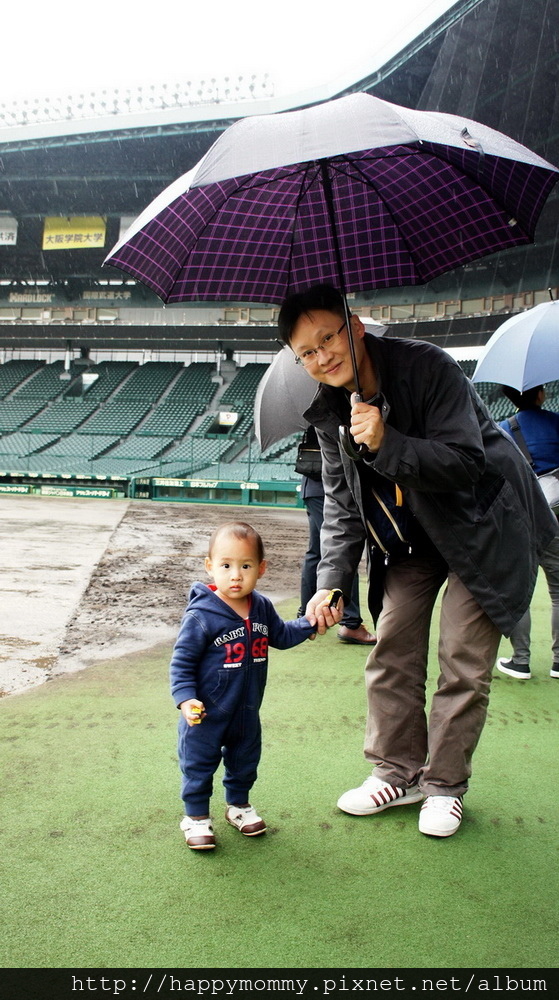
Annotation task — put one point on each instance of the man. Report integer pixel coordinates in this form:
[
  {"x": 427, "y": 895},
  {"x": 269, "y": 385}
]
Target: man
[
  {"x": 536, "y": 432},
  {"x": 441, "y": 496}
]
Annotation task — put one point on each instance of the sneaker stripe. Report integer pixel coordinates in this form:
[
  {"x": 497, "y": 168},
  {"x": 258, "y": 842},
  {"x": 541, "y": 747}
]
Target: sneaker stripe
[{"x": 389, "y": 793}]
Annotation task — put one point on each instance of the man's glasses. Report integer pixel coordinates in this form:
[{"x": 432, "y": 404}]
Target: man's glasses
[{"x": 328, "y": 343}]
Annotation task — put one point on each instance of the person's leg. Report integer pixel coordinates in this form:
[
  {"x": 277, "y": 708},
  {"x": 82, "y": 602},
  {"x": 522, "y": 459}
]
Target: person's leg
[
  {"x": 241, "y": 756},
  {"x": 199, "y": 751},
  {"x": 352, "y": 629},
  {"x": 315, "y": 513},
  {"x": 351, "y": 617},
  {"x": 468, "y": 644},
  {"x": 396, "y": 733},
  {"x": 550, "y": 566},
  {"x": 520, "y": 639}
]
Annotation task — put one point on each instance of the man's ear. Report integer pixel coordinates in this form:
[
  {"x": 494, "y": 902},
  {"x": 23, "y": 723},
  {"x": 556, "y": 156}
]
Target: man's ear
[
  {"x": 262, "y": 568},
  {"x": 357, "y": 326},
  {"x": 208, "y": 565}
]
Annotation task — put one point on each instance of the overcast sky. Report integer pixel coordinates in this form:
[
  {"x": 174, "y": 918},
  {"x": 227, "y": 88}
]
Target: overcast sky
[{"x": 59, "y": 47}]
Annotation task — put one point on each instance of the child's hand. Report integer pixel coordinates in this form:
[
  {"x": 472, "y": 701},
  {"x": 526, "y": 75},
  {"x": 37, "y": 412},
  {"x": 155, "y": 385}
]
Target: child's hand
[
  {"x": 193, "y": 711},
  {"x": 314, "y": 634}
]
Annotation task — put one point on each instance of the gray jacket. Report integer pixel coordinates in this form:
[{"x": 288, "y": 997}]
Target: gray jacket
[{"x": 464, "y": 479}]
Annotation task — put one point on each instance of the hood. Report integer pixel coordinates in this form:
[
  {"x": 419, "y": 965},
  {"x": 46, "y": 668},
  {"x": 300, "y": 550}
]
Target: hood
[{"x": 202, "y": 597}]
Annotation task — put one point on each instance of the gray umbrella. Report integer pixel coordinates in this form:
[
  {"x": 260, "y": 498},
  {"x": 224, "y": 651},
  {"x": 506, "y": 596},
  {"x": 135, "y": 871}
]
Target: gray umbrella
[
  {"x": 524, "y": 350},
  {"x": 285, "y": 392}
]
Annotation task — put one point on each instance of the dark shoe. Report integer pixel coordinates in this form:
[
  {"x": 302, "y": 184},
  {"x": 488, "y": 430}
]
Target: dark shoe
[
  {"x": 360, "y": 636},
  {"x": 520, "y": 670},
  {"x": 554, "y": 672}
]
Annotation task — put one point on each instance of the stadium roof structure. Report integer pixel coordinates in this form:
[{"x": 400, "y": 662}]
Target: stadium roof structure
[{"x": 492, "y": 60}]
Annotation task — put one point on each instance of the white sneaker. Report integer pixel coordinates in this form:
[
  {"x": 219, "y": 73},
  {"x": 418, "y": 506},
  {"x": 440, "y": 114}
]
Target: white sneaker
[
  {"x": 375, "y": 795},
  {"x": 198, "y": 833},
  {"x": 245, "y": 819},
  {"x": 440, "y": 815}
]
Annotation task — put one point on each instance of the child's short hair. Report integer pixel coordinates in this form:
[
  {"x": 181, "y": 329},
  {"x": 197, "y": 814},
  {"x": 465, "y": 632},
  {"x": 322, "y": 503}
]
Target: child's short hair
[{"x": 241, "y": 530}]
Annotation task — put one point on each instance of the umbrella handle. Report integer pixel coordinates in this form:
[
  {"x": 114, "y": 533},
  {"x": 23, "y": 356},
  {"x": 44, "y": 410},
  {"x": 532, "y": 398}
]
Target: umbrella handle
[{"x": 353, "y": 451}]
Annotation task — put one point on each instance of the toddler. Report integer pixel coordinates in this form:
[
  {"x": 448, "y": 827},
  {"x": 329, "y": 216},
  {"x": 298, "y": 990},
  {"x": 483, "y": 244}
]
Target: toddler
[{"x": 218, "y": 674}]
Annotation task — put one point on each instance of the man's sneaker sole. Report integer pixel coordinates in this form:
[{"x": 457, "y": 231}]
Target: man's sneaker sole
[
  {"x": 381, "y": 799},
  {"x": 504, "y": 666},
  {"x": 554, "y": 672}
]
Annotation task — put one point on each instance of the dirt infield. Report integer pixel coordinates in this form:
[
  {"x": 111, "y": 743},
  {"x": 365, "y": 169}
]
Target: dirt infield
[{"x": 89, "y": 580}]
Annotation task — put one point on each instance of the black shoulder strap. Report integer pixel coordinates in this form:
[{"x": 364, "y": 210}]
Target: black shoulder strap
[{"x": 519, "y": 438}]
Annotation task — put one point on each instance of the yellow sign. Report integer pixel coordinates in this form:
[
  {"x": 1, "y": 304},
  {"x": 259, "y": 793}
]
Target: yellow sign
[{"x": 76, "y": 232}]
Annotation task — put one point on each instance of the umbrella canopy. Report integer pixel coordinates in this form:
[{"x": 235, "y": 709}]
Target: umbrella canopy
[
  {"x": 284, "y": 393},
  {"x": 412, "y": 194},
  {"x": 524, "y": 351}
]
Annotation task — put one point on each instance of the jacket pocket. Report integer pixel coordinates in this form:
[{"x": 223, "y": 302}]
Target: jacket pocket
[
  {"x": 227, "y": 689},
  {"x": 488, "y": 495}
]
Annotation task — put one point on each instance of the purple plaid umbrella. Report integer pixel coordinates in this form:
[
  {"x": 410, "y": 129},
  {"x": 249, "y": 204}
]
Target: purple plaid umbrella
[{"x": 357, "y": 192}]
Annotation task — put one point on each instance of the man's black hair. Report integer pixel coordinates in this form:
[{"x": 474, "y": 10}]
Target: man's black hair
[
  {"x": 302, "y": 303},
  {"x": 522, "y": 400}
]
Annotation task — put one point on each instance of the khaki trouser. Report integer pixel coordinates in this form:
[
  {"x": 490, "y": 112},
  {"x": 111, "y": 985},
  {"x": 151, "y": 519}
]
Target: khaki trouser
[{"x": 401, "y": 743}]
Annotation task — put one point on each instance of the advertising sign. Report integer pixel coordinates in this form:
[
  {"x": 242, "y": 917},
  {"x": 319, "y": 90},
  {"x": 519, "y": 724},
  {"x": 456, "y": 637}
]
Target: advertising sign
[
  {"x": 76, "y": 232},
  {"x": 8, "y": 230}
]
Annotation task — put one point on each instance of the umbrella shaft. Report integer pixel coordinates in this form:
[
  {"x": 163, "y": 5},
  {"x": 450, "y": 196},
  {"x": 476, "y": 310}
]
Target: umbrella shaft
[{"x": 328, "y": 195}]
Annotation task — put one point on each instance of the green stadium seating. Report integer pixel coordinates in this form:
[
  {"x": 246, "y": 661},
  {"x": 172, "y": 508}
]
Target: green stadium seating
[
  {"x": 14, "y": 373},
  {"x": 15, "y": 413},
  {"x": 63, "y": 415},
  {"x": 21, "y": 443},
  {"x": 44, "y": 384},
  {"x": 111, "y": 375},
  {"x": 78, "y": 445}
]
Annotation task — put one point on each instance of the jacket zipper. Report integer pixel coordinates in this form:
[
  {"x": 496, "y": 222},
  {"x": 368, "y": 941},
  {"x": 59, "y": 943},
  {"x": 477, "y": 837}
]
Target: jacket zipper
[{"x": 384, "y": 508}]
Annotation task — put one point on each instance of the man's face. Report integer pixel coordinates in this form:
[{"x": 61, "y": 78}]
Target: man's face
[{"x": 327, "y": 331}]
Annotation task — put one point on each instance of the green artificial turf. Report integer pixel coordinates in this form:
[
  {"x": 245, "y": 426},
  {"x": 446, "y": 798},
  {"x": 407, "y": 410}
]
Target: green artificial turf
[{"x": 98, "y": 874}]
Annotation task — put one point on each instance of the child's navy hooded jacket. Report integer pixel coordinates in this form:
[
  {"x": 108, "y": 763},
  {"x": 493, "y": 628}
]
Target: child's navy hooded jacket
[{"x": 222, "y": 659}]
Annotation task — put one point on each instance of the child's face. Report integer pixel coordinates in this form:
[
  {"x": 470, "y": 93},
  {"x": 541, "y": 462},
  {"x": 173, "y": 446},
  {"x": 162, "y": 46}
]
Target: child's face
[{"x": 234, "y": 567}]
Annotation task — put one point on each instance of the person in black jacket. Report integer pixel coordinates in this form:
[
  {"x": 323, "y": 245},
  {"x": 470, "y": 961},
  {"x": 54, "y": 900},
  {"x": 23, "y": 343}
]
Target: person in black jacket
[
  {"x": 352, "y": 628},
  {"x": 443, "y": 498}
]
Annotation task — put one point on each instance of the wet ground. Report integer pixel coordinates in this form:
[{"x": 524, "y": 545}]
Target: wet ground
[{"x": 89, "y": 580}]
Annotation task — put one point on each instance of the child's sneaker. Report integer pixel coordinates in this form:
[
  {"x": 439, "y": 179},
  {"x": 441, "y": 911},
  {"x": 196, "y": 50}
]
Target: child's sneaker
[
  {"x": 198, "y": 833},
  {"x": 246, "y": 819}
]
